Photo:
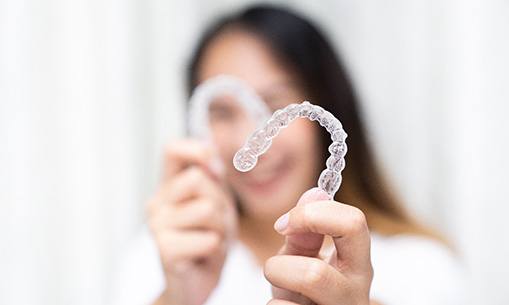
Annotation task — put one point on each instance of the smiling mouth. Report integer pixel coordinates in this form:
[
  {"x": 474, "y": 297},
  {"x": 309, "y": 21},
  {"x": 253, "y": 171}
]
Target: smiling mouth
[{"x": 267, "y": 179}]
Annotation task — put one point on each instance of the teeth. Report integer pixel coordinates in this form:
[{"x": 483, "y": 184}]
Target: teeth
[
  {"x": 316, "y": 112},
  {"x": 281, "y": 116},
  {"x": 272, "y": 128},
  {"x": 329, "y": 181},
  {"x": 339, "y": 135},
  {"x": 305, "y": 109},
  {"x": 245, "y": 160},
  {"x": 293, "y": 111},
  {"x": 336, "y": 163},
  {"x": 257, "y": 144},
  {"x": 338, "y": 149}
]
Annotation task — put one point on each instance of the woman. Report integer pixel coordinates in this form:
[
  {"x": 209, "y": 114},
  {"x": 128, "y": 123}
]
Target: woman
[{"x": 214, "y": 230}]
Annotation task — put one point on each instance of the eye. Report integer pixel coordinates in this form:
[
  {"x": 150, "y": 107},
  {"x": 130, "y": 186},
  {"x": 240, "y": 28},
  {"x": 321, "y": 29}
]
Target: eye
[
  {"x": 277, "y": 102},
  {"x": 281, "y": 97},
  {"x": 220, "y": 112}
]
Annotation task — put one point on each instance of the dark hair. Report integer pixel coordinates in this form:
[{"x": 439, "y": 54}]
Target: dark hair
[{"x": 303, "y": 48}]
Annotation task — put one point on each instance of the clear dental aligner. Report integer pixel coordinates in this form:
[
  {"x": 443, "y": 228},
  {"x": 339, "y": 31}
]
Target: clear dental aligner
[
  {"x": 205, "y": 93},
  {"x": 259, "y": 142}
]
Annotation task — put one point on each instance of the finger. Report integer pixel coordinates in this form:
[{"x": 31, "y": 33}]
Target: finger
[
  {"x": 344, "y": 223},
  {"x": 309, "y": 276},
  {"x": 200, "y": 213},
  {"x": 192, "y": 182},
  {"x": 306, "y": 243},
  {"x": 184, "y": 153},
  {"x": 188, "y": 245},
  {"x": 187, "y": 185}
]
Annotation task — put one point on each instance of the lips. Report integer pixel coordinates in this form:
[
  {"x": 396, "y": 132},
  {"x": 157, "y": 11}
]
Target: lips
[{"x": 266, "y": 177}]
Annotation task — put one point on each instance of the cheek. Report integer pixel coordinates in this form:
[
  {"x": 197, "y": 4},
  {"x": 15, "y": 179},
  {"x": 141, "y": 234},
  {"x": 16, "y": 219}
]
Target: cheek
[
  {"x": 300, "y": 139},
  {"x": 299, "y": 144},
  {"x": 229, "y": 137},
  {"x": 227, "y": 145}
]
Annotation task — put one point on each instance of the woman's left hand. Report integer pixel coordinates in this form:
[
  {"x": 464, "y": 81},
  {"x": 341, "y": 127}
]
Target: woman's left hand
[{"x": 299, "y": 276}]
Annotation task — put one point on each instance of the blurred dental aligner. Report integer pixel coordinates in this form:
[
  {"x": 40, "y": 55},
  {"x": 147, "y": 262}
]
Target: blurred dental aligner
[
  {"x": 259, "y": 142},
  {"x": 206, "y": 92}
]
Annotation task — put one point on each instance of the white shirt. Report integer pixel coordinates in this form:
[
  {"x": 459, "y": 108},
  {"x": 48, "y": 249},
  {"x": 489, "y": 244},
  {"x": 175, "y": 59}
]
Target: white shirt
[{"x": 408, "y": 270}]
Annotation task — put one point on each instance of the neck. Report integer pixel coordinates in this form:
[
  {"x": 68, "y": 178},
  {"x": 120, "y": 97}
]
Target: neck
[{"x": 260, "y": 238}]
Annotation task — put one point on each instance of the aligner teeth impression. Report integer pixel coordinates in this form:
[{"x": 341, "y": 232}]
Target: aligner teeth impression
[{"x": 258, "y": 143}]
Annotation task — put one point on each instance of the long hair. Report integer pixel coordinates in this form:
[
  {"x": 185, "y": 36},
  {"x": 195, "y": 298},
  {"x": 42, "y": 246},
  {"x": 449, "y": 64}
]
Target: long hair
[{"x": 301, "y": 46}]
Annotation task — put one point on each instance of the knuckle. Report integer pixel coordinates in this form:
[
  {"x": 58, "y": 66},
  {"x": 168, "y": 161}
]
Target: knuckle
[
  {"x": 212, "y": 242},
  {"x": 207, "y": 209},
  {"x": 268, "y": 268},
  {"x": 310, "y": 217},
  {"x": 163, "y": 241},
  {"x": 196, "y": 174},
  {"x": 175, "y": 147},
  {"x": 357, "y": 220},
  {"x": 205, "y": 213},
  {"x": 315, "y": 275},
  {"x": 154, "y": 224},
  {"x": 154, "y": 203}
]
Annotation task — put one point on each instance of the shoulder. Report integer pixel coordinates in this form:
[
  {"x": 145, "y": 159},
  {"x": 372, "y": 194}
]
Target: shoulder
[
  {"x": 415, "y": 270},
  {"x": 138, "y": 274},
  {"x": 241, "y": 279}
]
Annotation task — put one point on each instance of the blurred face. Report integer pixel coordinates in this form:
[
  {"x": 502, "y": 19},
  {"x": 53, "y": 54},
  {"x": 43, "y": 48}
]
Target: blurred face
[{"x": 290, "y": 167}]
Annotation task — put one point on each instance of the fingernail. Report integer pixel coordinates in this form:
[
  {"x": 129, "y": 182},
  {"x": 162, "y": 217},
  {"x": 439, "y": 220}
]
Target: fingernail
[
  {"x": 313, "y": 195},
  {"x": 282, "y": 223}
]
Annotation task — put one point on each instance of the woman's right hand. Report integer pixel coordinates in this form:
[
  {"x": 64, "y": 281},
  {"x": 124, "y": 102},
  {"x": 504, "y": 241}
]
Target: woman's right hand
[{"x": 192, "y": 219}]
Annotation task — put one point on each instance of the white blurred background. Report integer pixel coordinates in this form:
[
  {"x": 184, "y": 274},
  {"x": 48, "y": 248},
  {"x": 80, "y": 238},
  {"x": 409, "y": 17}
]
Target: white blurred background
[{"x": 91, "y": 90}]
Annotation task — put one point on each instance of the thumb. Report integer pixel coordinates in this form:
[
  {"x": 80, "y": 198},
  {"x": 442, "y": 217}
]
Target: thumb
[{"x": 304, "y": 244}]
